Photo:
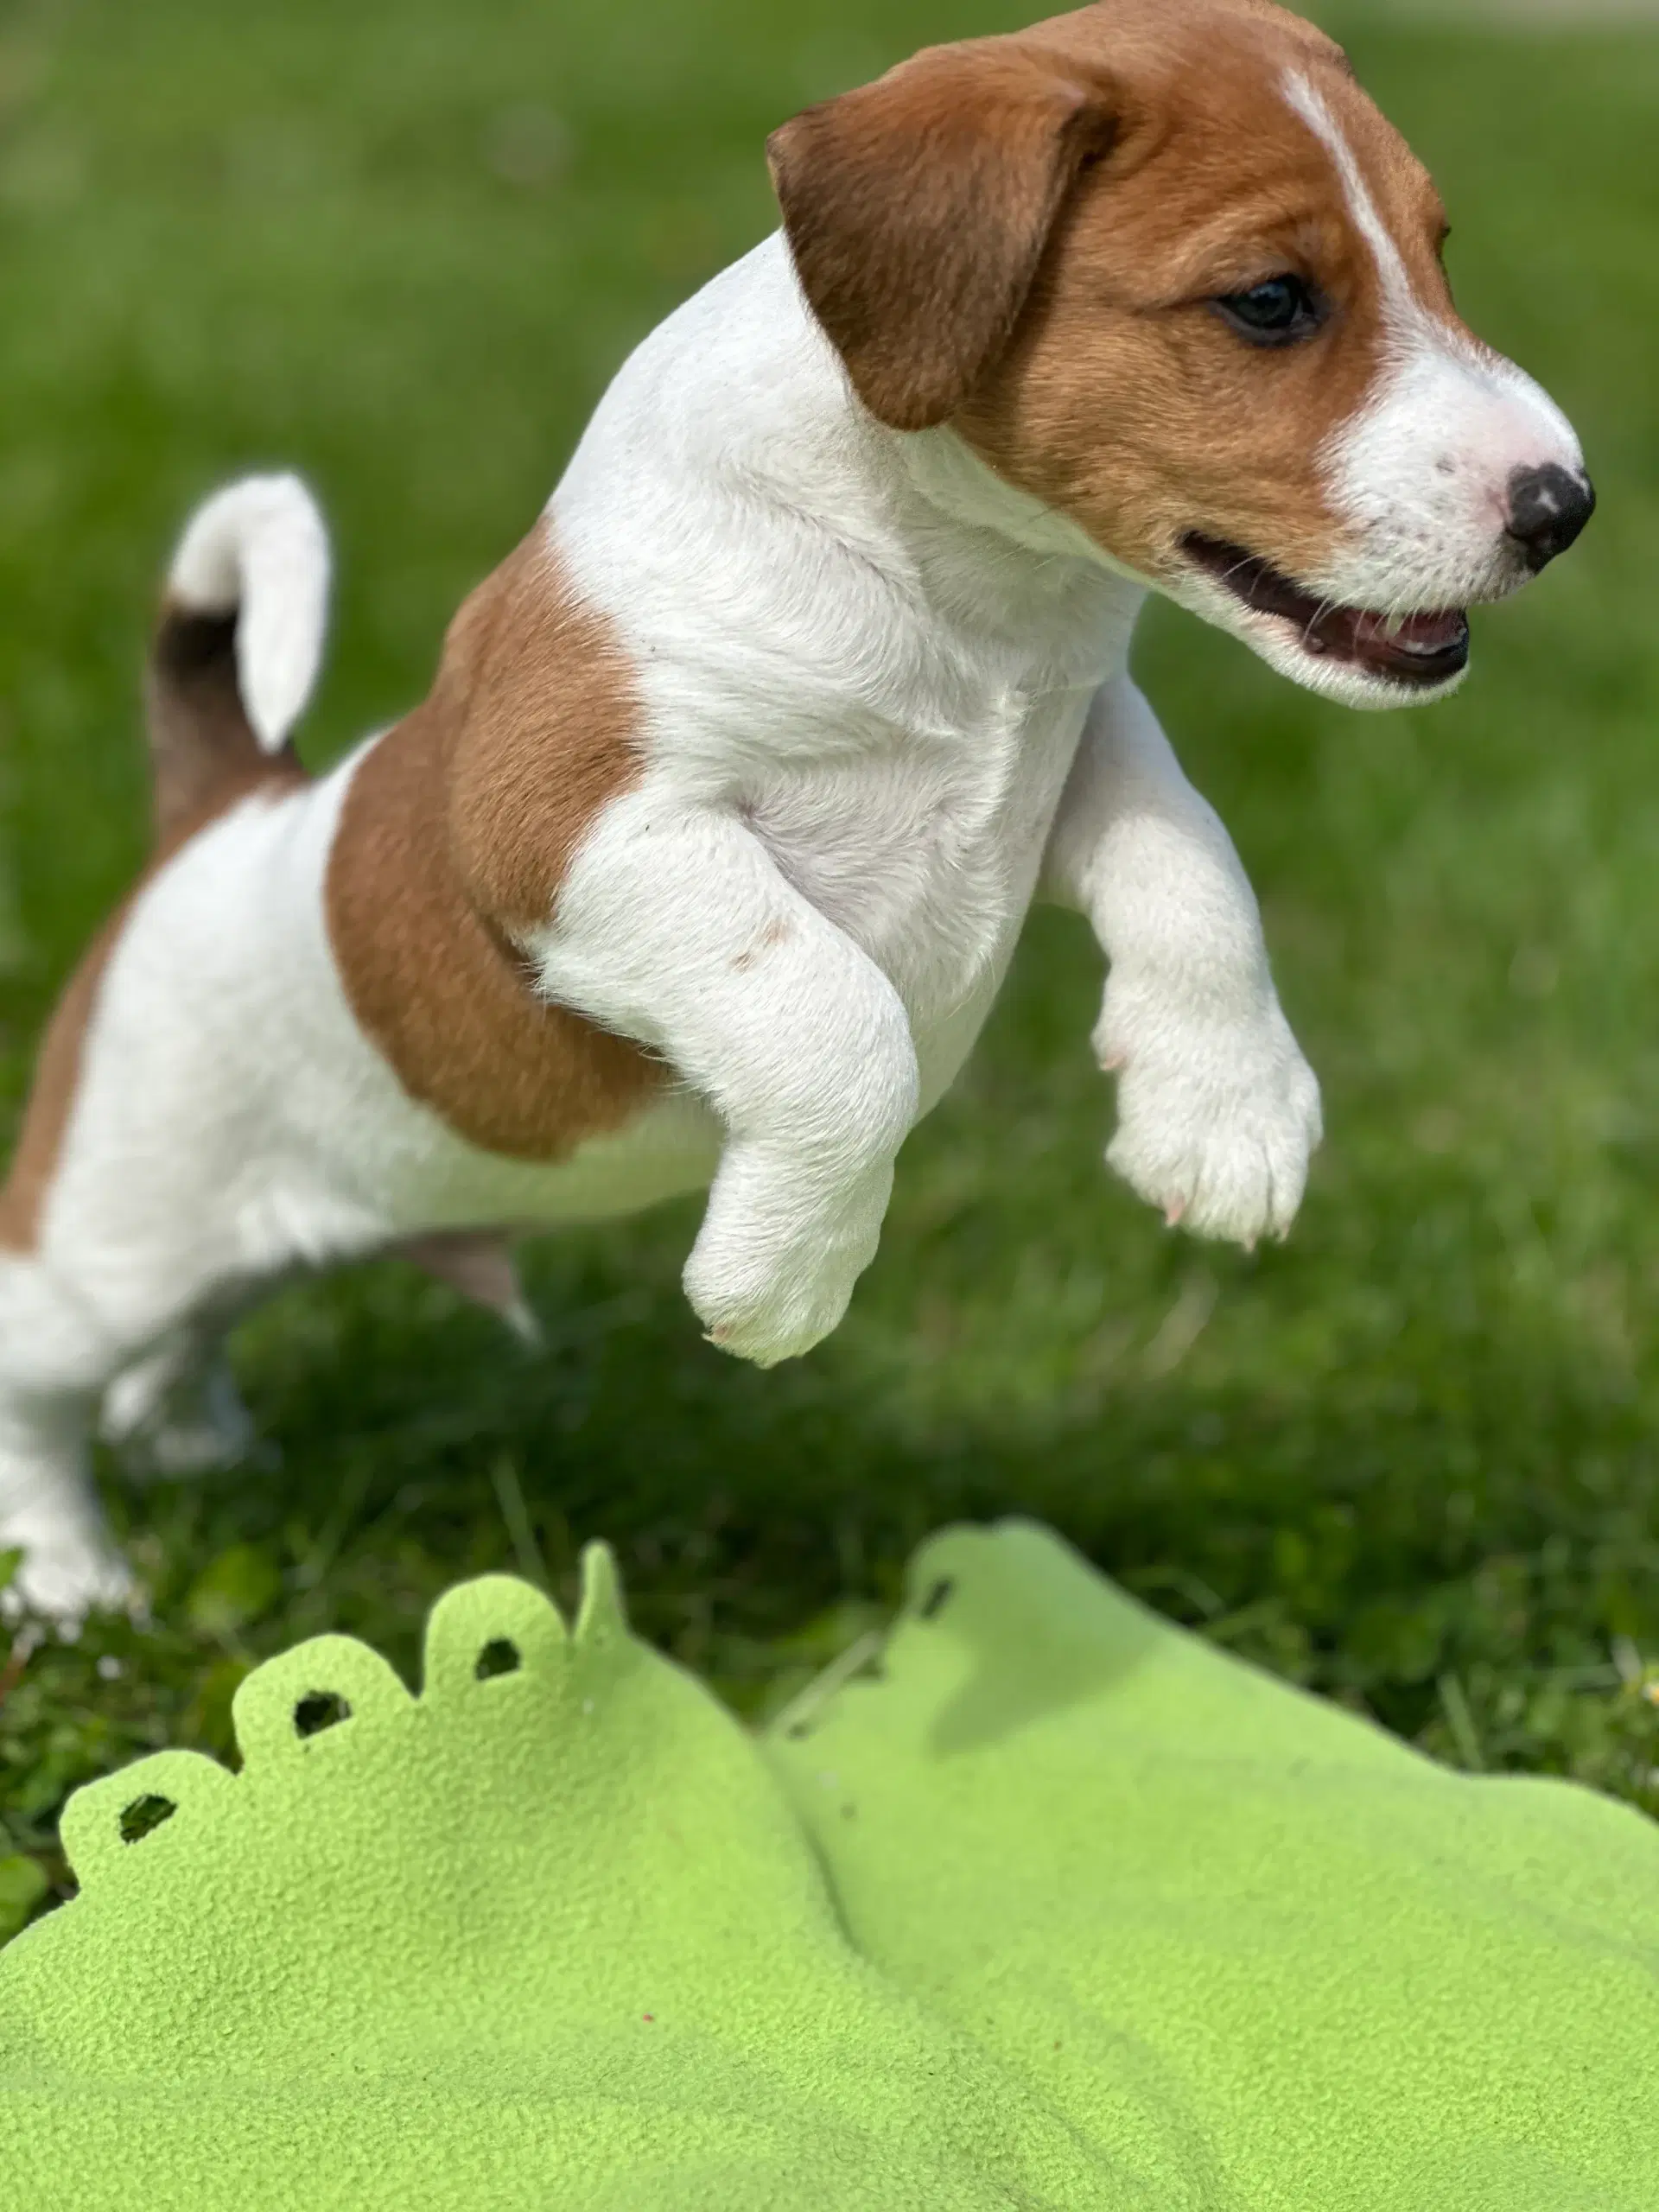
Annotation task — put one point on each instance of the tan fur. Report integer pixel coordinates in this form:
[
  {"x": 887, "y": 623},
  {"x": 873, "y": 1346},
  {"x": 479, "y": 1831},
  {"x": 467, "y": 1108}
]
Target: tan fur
[
  {"x": 205, "y": 759},
  {"x": 1151, "y": 142},
  {"x": 202, "y": 748},
  {"x": 57, "y": 1070},
  {"x": 457, "y": 832},
  {"x": 918, "y": 209}
]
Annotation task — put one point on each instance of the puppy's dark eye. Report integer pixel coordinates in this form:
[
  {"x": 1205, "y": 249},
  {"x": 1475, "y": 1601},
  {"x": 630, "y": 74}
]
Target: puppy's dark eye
[{"x": 1280, "y": 312}]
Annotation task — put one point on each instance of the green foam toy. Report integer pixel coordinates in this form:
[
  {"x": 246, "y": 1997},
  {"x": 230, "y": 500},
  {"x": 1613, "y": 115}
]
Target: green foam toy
[
  {"x": 1121, "y": 1859},
  {"x": 1065, "y": 1910}
]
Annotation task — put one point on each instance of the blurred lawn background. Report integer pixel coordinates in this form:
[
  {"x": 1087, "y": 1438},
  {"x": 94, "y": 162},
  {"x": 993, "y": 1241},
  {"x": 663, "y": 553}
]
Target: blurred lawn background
[{"x": 1412, "y": 1459}]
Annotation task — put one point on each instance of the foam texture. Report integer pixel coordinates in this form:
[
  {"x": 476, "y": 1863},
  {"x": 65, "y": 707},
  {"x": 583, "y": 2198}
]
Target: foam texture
[{"x": 1063, "y": 1911}]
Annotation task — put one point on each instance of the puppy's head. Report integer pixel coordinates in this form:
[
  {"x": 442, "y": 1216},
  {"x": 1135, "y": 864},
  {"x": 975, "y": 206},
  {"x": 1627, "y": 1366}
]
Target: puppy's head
[{"x": 1163, "y": 265}]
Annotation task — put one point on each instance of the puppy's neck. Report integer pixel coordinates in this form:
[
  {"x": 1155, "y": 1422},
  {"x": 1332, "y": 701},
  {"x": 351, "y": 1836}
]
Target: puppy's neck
[
  {"x": 1036, "y": 566},
  {"x": 731, "y": 478}
]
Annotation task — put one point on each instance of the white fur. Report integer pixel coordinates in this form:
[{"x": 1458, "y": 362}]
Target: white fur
[
  {"x": 1217, "y": 1111},
  {"x": 260, "y": 547},
  {"x": 1421, "y": 476},
  {"x": 809, "y": 901}
]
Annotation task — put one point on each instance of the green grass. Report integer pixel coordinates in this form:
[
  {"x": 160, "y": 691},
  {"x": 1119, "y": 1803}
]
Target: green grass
[{"x": 1409, "y": 1459}]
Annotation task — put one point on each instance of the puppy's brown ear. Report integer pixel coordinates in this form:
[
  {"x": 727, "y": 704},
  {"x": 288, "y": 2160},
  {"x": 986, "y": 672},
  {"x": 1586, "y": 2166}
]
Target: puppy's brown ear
[{"x": 917, "y": 209}]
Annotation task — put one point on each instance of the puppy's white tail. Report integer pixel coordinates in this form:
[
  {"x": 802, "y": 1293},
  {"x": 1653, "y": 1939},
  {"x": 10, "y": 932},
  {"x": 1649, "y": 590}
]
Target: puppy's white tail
[
  {"x": 259, "y": 550},
  {"x": 239, "y": 646}
]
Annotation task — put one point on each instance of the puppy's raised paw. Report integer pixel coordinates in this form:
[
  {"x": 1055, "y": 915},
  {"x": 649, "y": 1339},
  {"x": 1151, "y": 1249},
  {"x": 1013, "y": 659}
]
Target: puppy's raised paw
[
  {"x": 769, "y": 1278},
  {"x": 766, "y": 1315},
  {"x": 1218, "y": 1118}
]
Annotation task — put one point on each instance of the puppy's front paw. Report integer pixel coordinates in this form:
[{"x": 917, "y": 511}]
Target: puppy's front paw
[
  {"x": 1217, "y": 1116},
  {"x": 769, "y": 1283}
]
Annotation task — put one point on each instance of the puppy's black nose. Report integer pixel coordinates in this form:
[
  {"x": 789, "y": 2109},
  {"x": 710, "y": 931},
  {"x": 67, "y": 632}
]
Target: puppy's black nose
[{"x": 1549, "y": 507}]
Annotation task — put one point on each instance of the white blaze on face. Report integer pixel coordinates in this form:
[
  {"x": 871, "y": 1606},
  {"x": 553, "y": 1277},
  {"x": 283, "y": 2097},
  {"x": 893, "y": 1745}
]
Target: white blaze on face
[{"x": 1423, "y": 473}]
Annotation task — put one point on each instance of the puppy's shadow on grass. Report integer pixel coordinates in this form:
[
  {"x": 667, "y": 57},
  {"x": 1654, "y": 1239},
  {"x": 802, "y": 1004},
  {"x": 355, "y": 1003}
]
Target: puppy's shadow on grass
[{"x": 1339, "y": 1534}]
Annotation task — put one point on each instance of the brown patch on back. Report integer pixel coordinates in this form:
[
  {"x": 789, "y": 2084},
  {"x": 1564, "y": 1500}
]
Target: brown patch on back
[
  {"x": 1150, "y": 145},
  {"x": 456, "y": 832}
]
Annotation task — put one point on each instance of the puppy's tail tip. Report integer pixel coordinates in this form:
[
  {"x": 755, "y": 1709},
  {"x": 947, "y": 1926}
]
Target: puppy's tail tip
[{"x": 252, "y": 573}]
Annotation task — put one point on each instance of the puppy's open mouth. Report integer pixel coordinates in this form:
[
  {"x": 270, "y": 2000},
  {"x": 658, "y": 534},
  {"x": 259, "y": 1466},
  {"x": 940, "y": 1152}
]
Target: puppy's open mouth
[{"x": 1422, "y": 649}]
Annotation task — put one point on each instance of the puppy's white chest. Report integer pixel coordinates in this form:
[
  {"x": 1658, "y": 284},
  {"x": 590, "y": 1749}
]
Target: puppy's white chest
[{"x": 926, "y": 851}]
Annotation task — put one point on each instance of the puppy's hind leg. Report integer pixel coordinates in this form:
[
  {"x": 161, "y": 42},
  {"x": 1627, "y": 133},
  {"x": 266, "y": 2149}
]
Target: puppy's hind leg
[
  {"x": 104, "y": 1312},
  {"x": 48, "y": 1512},
  {"x": 126, "y": 1211},
  {"x": 176, "y": 1411},
  {"x": 139, "y": 1330},
  {"x": 53, "y": 1362}
]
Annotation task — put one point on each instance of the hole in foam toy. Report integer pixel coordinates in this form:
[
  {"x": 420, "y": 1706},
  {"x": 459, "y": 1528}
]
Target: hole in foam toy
[
  {"x": 320, "y": 1709},
  {"x": 143, "y": 1817},
  {"x": 935, "y": 1600},
  {"x": 498, "y": 1656}
]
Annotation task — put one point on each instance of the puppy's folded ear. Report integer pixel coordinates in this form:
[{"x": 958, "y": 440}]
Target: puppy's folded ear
[{"x": 917, "y": 209}]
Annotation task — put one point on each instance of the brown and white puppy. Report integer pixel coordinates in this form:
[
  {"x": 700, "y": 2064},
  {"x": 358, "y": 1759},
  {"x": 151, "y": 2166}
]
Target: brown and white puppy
[{"x": 704, "y": 859}]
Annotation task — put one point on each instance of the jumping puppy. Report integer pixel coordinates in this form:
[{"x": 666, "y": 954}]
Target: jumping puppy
[{"x": 704, "y": 859}]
